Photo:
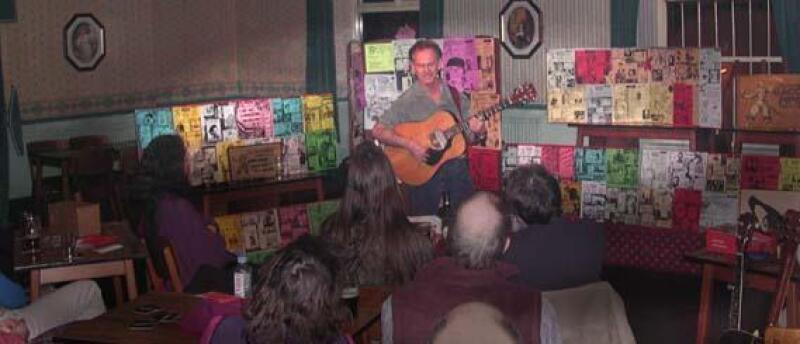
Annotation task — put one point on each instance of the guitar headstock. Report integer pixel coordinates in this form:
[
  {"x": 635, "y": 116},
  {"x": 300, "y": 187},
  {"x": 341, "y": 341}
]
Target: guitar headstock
[
  {"x": 792, "y": 225},
  {"x": 523, "y": 94}
]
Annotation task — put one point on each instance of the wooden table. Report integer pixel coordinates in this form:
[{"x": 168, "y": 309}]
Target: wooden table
[
  {"x": 112, "y": 327},
  {"x": 760, "y": 275},
  {"x": 216, "y": 198},
  {"x": 51, "y": 265}
]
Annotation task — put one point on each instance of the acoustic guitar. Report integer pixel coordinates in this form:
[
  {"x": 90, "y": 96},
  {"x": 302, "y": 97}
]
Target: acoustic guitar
[{"x": 443, "y": 135}]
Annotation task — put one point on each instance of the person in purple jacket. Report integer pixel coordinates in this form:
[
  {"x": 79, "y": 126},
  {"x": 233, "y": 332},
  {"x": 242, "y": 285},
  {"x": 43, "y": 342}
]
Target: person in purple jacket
[{"x": 161, "y": 190}]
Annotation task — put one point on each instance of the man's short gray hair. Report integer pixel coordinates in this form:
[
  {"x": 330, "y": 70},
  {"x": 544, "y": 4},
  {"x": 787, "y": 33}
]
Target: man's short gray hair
[{"x": 480, "y": 231}]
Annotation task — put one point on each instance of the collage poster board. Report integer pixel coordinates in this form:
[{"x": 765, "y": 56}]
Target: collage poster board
[{"x": 667, "y": 87}]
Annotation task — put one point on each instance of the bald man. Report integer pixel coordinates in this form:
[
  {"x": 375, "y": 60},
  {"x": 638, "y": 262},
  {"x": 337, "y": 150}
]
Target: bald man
[{"x": 471, "y": 273}]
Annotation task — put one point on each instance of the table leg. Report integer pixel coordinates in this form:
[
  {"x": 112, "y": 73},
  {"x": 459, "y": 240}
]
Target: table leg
[
  {"x": 792, "y": 315},
  {"x": 705, "y": 303},
  {"x": 36, "y": 280},
  {"x": 130, "y": 280},
  {"x": 118, "y": 290}
]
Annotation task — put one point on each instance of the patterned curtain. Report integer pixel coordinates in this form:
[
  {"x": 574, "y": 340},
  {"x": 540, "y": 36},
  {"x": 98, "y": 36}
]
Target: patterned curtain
[
  {"x": 787, "y": 24},
  {"x": 624, "y": 16}
]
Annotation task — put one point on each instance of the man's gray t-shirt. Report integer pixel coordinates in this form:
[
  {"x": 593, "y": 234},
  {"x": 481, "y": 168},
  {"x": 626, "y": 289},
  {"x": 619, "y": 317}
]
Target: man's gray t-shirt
[{"x": 415, "y": 105}]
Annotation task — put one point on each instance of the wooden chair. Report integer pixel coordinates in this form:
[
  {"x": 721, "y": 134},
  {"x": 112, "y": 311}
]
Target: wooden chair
[
  {"x": 171, "y": 267},
  {"x": 88, "y": 141},
  {"x": 92, "y": 173},
  {"x": 44, "y": 189}
]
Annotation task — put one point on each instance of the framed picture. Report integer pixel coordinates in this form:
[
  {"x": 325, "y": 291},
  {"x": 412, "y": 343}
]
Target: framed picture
[
  {"x": 521, "y": 28},
  {"x": 84, "y": 42}
]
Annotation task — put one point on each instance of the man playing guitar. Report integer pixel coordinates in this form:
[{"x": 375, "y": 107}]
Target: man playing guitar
[{"x": 426, "y": 95}]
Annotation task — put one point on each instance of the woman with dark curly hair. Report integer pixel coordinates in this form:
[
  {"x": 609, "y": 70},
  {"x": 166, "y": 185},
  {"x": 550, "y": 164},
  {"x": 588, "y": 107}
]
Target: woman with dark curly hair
[
  {"x": 296, "y": 300},
  {"x": 380, "y": 245},
  {"x": 160, "y": 191}
]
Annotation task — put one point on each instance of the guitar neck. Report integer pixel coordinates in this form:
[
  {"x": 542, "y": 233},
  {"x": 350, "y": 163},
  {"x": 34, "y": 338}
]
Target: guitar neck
[{"x": 484, "y": 114}]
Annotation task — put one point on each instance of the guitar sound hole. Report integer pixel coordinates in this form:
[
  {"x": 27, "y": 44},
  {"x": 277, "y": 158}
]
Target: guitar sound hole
[{"x": 437, "y": 140}]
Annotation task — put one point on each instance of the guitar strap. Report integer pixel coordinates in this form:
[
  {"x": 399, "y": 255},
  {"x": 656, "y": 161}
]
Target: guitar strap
[{"x": 468, "y": 134}]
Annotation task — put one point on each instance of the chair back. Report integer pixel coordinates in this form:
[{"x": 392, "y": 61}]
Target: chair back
[
  {"x": 46, "y": 146},
  {"x": 163, "y": 259},
  {"x": 88, "y": 141}
]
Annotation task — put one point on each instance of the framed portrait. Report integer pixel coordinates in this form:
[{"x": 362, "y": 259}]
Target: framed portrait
[
  {"x": 521, "y": 28},
  {"x": 84, "y": 42}
]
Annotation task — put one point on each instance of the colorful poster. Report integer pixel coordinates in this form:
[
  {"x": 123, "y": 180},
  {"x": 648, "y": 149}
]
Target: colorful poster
[
  {"x": 623, "y": 168},
  {"x": 494, "y": 130},
  {"x": 294, "y": 155},
  {"x": 709, "y": 106},
  {"x": 212, "y": 125},
  {"x": 659, "y": 110},
  {"x": 631, "y": 103},
  {"x": 484, "y": 168},
  {"x": 225, "y": 113},
  {"x": 709, "y": 67},
  {"x": 293, "y": 223},
  {"x": 487, "y": 68},
  {"x": 629, "y": 66},
  {"x": 687, "y": 170},
  {"x": 402, "y": 63},
  {"x": 566, "y": 105},
  {"x": 250, "y": 224},
  {"x": 559, "y": 161},
  {"x": 203, "y": 168},
  {"x": 265, "y": 230},
  {"x": 254, "y": 118},
  {"x": 321, "y": 150},
  {"x": 590, "y": 164},
  {"x": 790, "y": 174},
  {"x": 722, "y": 173},
  {"x": 560, "y": 69},
  {"x": 318, "y": 212},
  {"x": 686, "y": 206},
  {"x": 528, "y": 154},
  {"x": 281, "y": 122},
  {"x": 460, "y": 64},
  {"x": 655, "y": 207},
  {"x": 151, "y": 123},
  {"x": 683, "y": 105},
  {"x": 230, "y": 227},
  {"x": 292, "y": 109},
  {"x": 654, "y": 170},
  {"x": 768, "y": 102},
  {"x": 760, "y": 172},
  {"x": 622, "y": 206},
  {"x": 720, "y": 211},
  {"x": 662, "y": 65},
  {"x": 223, "y": 163},
  {"x": 593, "y": 200},
  {"x": 318, "y": 112},
  {"x": 380, "y": 93},
  {"x": 510, "y": 159},
  {"x": 599, "y": 104},
  {"x": 379, "y": 57},
  {"x": 186, "y": 120},
  {"x": 592, "y": 66},
  {"x": 687, "y": 64},
  {"x": 570, "y": 198}
]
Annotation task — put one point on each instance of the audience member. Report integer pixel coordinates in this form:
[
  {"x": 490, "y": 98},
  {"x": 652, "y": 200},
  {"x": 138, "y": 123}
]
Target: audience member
[
  {"x": 167, "y": 214},
  {"x": 475, "y": 322},
  {"x": 76, "y": 301},
  {"x": 470, "y": 273},
  {"x": 380, "y": 245},
  {"x": 296, "y": 300},
  {"x": 551, "y": 252}
]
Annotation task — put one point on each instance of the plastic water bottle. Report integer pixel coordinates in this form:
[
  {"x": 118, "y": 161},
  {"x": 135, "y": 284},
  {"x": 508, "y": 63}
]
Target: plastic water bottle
[{"x": 242, "y": 275}]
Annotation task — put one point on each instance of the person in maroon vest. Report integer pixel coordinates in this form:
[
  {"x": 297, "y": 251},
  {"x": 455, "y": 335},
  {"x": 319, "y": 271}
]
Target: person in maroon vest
[{"x": 470, "y": 272}]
